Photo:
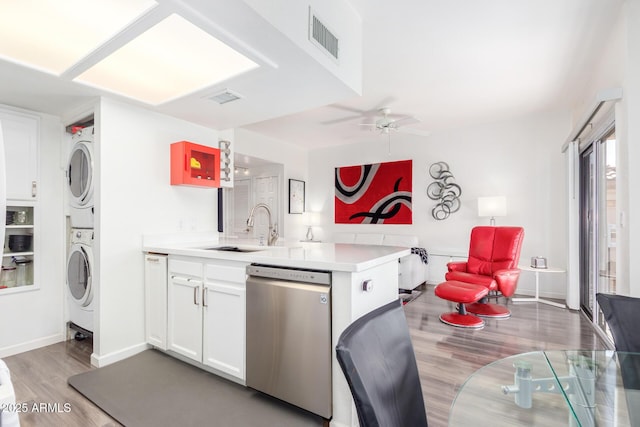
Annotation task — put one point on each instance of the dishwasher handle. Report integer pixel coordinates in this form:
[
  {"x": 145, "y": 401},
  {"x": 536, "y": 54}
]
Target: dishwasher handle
[
  {"x": 255, "y": 281},
  {"x": 317, "y": 277}
]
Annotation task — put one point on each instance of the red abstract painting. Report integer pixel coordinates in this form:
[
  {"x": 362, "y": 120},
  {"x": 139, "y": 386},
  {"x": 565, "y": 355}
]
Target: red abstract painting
[{"x": 378, "y": 193}]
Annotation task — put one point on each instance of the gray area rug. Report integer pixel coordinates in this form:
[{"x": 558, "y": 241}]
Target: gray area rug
[{"x": 153, "y": 389}]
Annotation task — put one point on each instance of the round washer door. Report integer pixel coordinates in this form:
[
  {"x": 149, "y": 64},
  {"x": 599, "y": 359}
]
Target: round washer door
[
  {"x": 79, "y": 278},
  {"x": 80, "y": 173}
]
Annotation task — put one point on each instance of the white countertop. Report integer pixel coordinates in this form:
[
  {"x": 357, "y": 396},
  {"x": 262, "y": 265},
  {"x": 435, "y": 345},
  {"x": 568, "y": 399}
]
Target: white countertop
[{"x": 314, "y": 255}]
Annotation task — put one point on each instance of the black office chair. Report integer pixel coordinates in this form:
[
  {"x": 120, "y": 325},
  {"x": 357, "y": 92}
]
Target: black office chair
[
  {"x": 377, "y": 359},
  {"x": 622, "y": 314}
]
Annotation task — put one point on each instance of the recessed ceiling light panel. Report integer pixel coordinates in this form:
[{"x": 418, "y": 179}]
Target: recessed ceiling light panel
[
  {"x": 54, "y": 35},
  {"x": 171, "y": 59}
]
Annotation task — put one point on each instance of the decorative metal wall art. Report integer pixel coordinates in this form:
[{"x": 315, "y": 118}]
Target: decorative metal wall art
[{"x": 444, "y": 190}]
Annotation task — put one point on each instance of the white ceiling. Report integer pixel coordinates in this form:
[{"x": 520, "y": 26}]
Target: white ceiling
[
  {"x": 448, "y": 63},
  {"x": 459, "y": 62}
]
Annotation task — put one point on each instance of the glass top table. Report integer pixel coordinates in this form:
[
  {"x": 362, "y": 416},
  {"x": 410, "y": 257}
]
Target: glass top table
[{"x": 552, "y": 388}]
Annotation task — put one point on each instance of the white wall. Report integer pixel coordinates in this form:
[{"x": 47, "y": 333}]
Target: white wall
[
  {"x": 631, "y": 102},
  {"x": 619, "y": 66},
  {"x": 33, "y": 319},
  {"x": 134, "y": 197},
  {"x": 519, "y": 159}
]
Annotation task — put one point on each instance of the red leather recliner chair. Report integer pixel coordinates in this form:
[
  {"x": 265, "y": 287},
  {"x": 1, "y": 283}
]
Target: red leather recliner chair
[{"x": 493, "y": 263}]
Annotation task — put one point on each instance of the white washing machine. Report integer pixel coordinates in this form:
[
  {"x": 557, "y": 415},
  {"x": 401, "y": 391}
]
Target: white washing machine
[
  {"x": 80, "y": 170},
  {"x": 80, "y": 278}
]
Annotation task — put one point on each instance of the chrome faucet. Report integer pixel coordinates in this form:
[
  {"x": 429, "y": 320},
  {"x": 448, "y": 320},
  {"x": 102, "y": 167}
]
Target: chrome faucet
[{"x": 273, "y": 228}]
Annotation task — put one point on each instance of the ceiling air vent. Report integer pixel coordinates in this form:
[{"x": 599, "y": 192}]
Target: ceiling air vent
[
  {"x": 320, "y": 35},
  {"x": 225, "y": 96}
]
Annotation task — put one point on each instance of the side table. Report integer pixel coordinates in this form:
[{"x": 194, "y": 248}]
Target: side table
[{"x": 537, "y": 298}]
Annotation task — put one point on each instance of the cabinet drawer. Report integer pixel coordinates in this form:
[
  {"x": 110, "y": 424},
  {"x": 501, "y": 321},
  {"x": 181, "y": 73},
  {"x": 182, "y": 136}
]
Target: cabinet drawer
[
  {"x": 186, "y": 268},
  {"x": 226, "y": 273}
]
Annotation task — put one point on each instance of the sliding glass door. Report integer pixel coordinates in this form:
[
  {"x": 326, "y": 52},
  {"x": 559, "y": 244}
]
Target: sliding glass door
[
  {"x": 587, "y": 229},
  {"x": 598, "y": 221}
]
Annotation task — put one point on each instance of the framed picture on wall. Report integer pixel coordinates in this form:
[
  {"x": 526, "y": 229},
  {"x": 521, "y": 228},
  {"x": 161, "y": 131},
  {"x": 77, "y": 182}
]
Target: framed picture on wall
[{"x": 296, "y": 196}]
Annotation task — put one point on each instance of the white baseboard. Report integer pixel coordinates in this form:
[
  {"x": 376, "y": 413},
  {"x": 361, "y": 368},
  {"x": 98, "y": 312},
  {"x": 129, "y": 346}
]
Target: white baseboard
[
  {"x": 31, "y": 345},
  {"x": 116, "y": 356}
]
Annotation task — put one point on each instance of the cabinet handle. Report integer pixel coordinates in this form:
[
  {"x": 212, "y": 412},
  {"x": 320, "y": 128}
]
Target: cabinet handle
[
  {"x": 34, "y": 189},
  {"x": 151, "y": 259},
  {"x": 195, "y": 296},
  {"x": 204, "y": 297}
]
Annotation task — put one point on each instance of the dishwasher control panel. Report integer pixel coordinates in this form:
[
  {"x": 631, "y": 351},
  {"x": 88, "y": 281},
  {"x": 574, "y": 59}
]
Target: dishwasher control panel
[{"x": 292, "y": 274}]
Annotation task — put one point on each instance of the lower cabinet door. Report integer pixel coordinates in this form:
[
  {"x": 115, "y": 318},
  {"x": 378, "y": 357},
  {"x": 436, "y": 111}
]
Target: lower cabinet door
[
  {"x": 184, "y": 333},
  {"x": 224, "y": 328},
  {"x": 155, "y": 284}
]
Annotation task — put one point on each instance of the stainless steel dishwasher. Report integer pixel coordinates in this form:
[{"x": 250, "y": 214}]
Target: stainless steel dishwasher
[{"x": 289, "y": 335}]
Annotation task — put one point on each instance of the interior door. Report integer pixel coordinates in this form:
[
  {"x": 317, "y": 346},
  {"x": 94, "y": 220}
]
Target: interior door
[{"x": 266, "y": 191}]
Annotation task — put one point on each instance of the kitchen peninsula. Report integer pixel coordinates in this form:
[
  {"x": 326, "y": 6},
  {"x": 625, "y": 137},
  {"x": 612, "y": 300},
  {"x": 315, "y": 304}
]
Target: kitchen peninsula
[{"x": 211, "y": 284}]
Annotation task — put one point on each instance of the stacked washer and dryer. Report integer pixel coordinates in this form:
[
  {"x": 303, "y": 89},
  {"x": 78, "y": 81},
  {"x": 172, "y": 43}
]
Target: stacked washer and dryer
[{"x": 80, "y": 171}]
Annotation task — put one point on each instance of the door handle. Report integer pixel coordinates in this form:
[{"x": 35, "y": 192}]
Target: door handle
[
  {"x": 204, "y": 297},
  {"x": 195, "y": 296}
]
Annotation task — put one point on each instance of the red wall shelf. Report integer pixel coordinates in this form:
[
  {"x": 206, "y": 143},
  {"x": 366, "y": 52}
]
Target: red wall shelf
[{"x": 195, "y": 165}]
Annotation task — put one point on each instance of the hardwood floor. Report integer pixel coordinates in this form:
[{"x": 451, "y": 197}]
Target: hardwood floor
[
  {"x": 446, "y": 357},
  {"x": 39, "y": 379}
]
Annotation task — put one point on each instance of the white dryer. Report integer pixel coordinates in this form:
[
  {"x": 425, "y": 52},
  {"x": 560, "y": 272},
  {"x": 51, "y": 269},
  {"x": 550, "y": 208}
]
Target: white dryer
[
  {"x": 80, "y": 170},
  {"x": 79, "y": 278}
]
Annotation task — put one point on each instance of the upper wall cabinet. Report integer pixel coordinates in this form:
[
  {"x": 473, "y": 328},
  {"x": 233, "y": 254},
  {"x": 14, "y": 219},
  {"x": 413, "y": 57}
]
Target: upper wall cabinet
[
  {"x": 21, "y": 138},
  {"x": 195, "y": 165}
]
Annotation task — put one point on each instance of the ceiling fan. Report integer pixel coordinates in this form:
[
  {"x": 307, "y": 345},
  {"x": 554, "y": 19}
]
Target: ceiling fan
[{"x": 386, "y": 124}]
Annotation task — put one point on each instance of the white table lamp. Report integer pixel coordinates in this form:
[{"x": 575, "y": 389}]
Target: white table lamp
[{"x": 492, "y": 207}]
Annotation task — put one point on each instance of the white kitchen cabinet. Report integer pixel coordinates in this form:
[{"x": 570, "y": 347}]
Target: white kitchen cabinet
[
  {"x": 224, "y": 318},
  {"x": 184, "y": 332},
  {"x": 21, "y": 143},
  {"x": 206, "y": 313},
  {"x": 155, "y": 288}
]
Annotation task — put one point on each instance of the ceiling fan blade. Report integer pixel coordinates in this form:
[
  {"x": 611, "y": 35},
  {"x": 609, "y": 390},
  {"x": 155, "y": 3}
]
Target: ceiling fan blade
[
  {"x": 385, "y": 103},
  {"x": 407, "y": 120},
  {"x": 369, "y": 126},
  {"x": 360, "y": 113},
  {"x": 340, "y": 120}
]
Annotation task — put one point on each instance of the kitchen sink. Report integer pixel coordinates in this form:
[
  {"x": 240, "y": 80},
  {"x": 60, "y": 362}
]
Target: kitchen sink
[{"x": 231, "y": 249}]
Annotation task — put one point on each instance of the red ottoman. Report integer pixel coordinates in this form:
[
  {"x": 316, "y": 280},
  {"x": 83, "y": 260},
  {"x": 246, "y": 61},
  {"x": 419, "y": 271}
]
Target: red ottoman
[{"x": 461, "y": 293}]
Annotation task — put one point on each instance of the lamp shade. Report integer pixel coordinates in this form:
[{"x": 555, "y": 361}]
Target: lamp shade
[
  {"x": 311, "y": 219},
  {"x": 492, "y": 206}
]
